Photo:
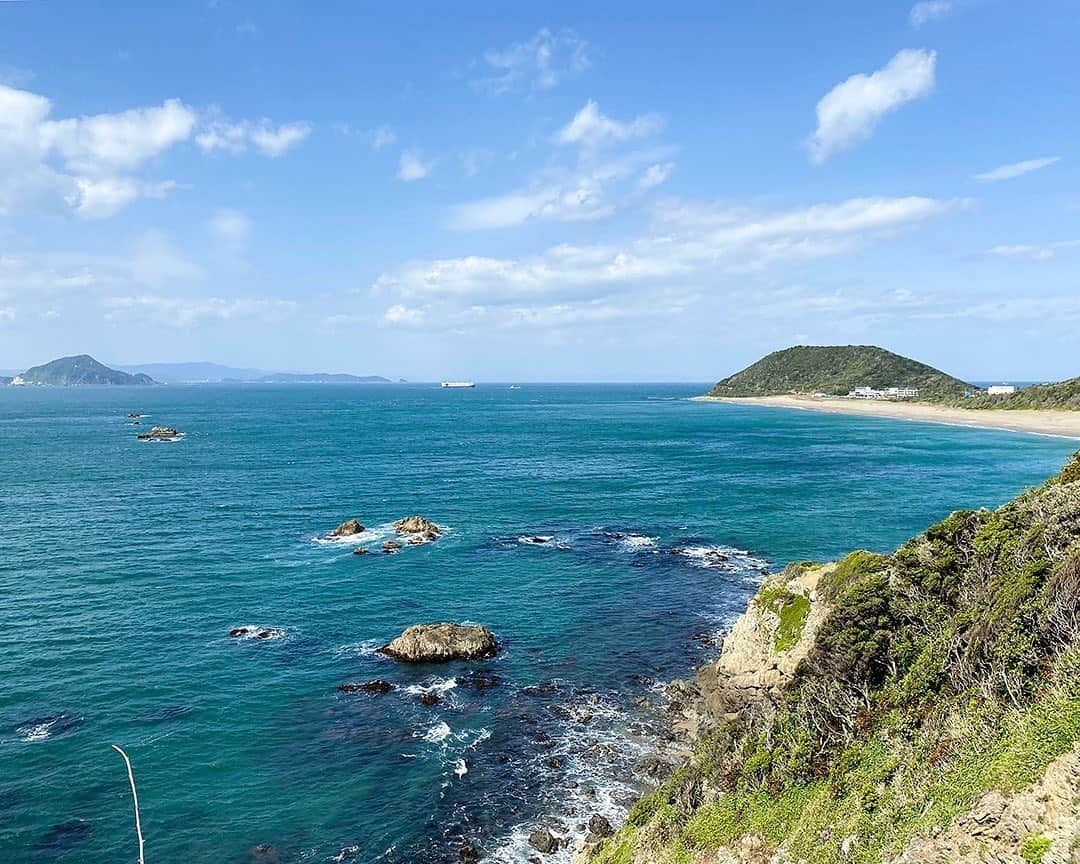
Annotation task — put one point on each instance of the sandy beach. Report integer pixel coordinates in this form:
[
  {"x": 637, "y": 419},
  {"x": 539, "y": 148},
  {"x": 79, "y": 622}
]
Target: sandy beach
[{"x": 1063, "y": 423}]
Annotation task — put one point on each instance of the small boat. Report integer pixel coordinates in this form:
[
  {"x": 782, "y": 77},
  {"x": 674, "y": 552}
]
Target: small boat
[{"x": 457, "y": 385}]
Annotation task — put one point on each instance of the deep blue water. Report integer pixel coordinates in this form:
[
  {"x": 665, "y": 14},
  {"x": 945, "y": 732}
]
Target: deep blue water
[{"x": 123, "y": 566}]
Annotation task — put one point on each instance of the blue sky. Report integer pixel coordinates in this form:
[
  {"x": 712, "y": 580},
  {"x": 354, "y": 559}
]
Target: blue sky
[{"x": 608, "y": 193}]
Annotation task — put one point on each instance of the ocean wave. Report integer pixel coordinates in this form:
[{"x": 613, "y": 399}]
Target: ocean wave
[{"x": 460, "y": 768}]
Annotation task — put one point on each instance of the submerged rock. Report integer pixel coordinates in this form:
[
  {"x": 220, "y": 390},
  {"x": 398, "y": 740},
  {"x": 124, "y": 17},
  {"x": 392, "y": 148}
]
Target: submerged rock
[
  {"x": 429, "y": 699},
  {"x": 348, "y": 528},
  {"x": 417, "y": 525},
  {"x": 376, "y": 687},
  {"x": 265, "y": 853},
  {"x": 360, "y": 550},
  {"x": 468, "y": 853},
  {"x": 390, "y": 547},
  {"x": 435, "y": 643}
]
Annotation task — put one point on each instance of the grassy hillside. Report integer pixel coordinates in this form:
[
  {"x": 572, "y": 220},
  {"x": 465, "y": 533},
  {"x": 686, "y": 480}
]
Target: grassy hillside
[
  {"x": 1063, "y": 396},
  {"x": 837, "y": 370},
  {"x": 932, "y": 676},
  {"x": 80, "y": 371}
]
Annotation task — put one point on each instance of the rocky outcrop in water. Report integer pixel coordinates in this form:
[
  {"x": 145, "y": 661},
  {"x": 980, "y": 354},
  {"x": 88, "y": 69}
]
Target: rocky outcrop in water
[
  {"x": 438, "y": 643},
  {"x": 417, "y": 525},
  {"x": 348, "y": 528},
  {"x": 158, "y": 432},
  {"x": 376, "y": 687},
  {"x": 390, "y": 547}
]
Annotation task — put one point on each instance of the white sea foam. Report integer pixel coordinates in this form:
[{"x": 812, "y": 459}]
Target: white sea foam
[
  {"x": 724, "y": 558},
  {"x": 367, "y": 648},
  {"x": 35, "y": 731},
  {"x": 41, "y": 729},
  {"x": 438, "y": 686},
  {"x": 637, "y": 541},
  {"x": 437, "y": 733},
  {"x": 460, "y": 768},
  {"x": 598, "y": 758}
]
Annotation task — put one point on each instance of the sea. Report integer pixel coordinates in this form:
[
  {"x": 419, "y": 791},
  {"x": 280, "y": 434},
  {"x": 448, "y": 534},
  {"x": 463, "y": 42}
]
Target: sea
[{"x": 607, "y": 534}]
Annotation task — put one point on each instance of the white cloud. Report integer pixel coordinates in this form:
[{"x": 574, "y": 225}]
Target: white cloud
[
  {"x": 95, "y": 149},
  {"x": 89, "y": 162},
  {"x": 1016, "y": 169},
  {"x": 107, "y": 143},
  {"x": 411, "y": 166},
  {"x": 104, "y": 197},
  {"x": 684, "y": 247},
  {"x": 231, "y": 228},
  {"x": 220, "y": 134},
  {"x": 656, "y": 174},
  {"x": 1041, "y": 252},
  {"x": 849, "y": 113},
  {"x": 189, "y": 311},
  {"x": 928, "y": 10},
  {"x": 401, "y": 314},
  {"x": 382, "y": 136},
  {"x": 539, "y": 63},
  {"x": 591, "y": 128}
]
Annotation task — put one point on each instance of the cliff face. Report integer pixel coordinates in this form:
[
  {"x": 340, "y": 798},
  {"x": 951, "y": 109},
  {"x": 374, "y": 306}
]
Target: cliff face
[{"x": 919, "y": 706}]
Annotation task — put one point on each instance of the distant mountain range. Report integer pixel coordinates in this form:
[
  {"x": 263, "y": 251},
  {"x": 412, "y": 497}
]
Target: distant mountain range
[
  {"x": 84, "y": 371},
  {"x": 836, "y": 370}
]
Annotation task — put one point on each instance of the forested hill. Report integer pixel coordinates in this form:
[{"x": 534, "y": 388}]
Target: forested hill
[
  {"x": 836, "y": 370},
  {"x": 79, "y": 371}
]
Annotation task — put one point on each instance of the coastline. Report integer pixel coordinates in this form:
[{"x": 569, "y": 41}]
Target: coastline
[{"x": 1064, "y": 424}]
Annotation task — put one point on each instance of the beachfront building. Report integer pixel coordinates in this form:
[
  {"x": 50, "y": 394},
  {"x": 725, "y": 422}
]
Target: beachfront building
[
  {"x": 887, "y": 393},
  {"x": 1000, "y": 390}
]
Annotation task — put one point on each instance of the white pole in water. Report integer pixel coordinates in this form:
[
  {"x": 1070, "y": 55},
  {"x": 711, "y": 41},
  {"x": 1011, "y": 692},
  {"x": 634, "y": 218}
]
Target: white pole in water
[{"x": 135, "y": 798}]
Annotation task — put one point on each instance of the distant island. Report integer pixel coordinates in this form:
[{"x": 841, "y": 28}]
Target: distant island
[
  {"x": 82, "y": 370},
  {"x": 202, "y": 372},
  {"x": 320, "y": 378},
  {"x": 866, "y": 379}
]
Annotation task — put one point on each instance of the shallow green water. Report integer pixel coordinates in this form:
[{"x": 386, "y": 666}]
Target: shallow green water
[{"x": 123, "y": 566}]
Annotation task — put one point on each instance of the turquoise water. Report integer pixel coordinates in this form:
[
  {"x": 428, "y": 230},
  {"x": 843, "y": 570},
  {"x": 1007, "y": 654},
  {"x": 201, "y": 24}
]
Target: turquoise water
[{"x": 123, "y": 566}]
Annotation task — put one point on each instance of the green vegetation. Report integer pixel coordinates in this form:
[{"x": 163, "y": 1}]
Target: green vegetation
[
  {"x": 1063, "y": 396},
  {"x": 837, "y": 370},
  {"x": 942, "y": 671},
  {"x": 791, "y": 608},
  {"x": 1034, "y": 848},
  {"x": 80, "y": 371}
]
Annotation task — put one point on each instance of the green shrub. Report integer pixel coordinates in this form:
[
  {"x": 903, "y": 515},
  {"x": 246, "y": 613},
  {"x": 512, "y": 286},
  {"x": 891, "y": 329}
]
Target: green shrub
[{"x": 1034, "y": 847}]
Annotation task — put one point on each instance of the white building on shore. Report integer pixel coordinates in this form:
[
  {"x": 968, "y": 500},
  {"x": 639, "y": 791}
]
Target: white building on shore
[
  {"x": 1000, "y": 389},
  {"x": 887, "y": 393}
]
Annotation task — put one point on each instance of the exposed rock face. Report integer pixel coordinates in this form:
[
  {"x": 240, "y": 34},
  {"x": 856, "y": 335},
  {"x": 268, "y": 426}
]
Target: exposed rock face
[
  {"x": 390, "y": 546},
  {"x": 417, "y": 525},
  {"x": 751, "y": 673},
  {"x": 348, "y": 528},
  {"x": 1002, "y": 823},
  {"x": 436, "y": 643}
]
